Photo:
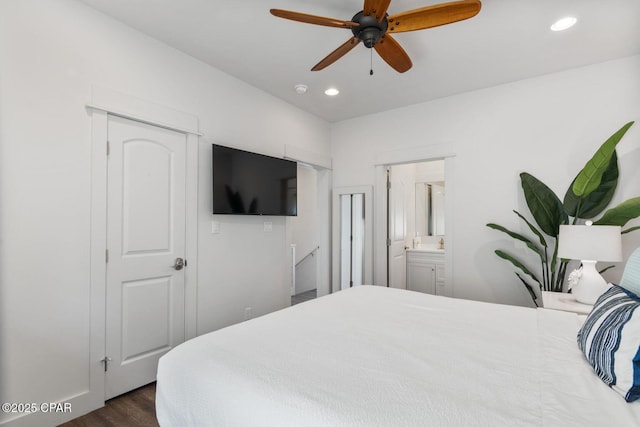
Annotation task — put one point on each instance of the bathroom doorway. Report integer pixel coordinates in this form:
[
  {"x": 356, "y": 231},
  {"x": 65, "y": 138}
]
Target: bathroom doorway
[{"x": 415, "y": 213}]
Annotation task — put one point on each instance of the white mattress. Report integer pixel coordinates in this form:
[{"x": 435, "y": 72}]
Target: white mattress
[{"x": 372, "y": 356}]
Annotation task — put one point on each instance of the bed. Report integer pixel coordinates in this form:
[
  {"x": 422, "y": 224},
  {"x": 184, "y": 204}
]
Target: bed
[{"x": 374, "y": 356}]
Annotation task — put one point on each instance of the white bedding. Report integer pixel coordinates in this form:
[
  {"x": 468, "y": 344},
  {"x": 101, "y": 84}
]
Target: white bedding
[{"x": 373, "y": 356}]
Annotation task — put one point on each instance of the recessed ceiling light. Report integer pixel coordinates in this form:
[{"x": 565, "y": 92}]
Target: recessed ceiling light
[
  {"x": 564, "y": 23},
  {"x": 332, "y": 91},
  {"x": 300, "y": 89}
]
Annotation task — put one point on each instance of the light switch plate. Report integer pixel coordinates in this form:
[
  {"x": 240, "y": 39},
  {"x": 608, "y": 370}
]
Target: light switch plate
[
  {"x": 268, "y": 227},
  {"x": 215, "y": 227}
]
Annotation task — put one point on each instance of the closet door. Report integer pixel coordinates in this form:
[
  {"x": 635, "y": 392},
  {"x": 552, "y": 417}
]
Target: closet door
[
  {"x": 146, "y": 246},
  {"x": 352, "y": 235}
]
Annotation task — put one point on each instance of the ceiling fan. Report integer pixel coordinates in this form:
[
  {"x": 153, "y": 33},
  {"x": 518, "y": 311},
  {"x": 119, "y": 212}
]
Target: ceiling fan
[{"x": 373, "y": 26}]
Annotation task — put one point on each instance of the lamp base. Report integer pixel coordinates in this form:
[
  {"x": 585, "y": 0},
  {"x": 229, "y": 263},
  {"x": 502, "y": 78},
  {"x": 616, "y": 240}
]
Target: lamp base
[{"x": 591, "y": 284}]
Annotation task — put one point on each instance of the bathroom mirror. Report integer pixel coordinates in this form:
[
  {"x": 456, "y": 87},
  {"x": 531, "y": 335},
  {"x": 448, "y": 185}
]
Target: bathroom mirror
[{"x": 430, "y": 208}]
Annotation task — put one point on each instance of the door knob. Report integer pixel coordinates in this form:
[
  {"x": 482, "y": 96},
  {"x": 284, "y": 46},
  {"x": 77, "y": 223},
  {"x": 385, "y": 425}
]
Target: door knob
[{"x": 179, "y": 264}]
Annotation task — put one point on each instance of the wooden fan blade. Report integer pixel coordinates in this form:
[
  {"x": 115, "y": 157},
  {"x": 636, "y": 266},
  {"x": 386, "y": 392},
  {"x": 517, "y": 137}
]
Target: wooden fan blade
[
  {"x": 433, "y": 16},
  {"x": 377, "y": 8},
  {"x": 393, "y": 54},
  {"x": 336, "y": 54},
  {"x": 312, "y": 19}
]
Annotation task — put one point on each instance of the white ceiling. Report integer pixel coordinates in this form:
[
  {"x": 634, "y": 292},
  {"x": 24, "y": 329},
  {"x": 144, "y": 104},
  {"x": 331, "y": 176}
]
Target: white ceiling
[{"x": 507, "y": 41}]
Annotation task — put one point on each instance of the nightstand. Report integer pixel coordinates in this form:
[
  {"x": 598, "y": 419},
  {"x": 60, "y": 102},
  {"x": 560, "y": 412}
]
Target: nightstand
[{"x": 565, "y": 302}]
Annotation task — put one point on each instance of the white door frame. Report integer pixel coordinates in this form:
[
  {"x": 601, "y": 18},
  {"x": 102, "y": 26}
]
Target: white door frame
[
  {"x": 322, "y": 164},
  {"x": 412, "y": 155},
  {"x": 368, "y": 233},
  {"x": 105, "y": 102}
]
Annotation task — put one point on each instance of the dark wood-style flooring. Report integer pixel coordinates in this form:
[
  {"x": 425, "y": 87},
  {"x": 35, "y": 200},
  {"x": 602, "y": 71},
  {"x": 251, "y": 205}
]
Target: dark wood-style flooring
[
  {"x": 133, "y": 409},
  {"x": 305, "y": 296}
]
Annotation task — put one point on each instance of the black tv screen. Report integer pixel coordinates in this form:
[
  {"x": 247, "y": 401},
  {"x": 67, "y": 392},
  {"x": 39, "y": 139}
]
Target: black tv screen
[{"x": 247, "y": 183}]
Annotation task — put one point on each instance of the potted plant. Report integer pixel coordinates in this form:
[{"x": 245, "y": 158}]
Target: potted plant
[{"x": 586, "y": 198}]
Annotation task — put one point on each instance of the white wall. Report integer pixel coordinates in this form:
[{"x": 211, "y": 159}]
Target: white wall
[
  {"x": 52, "y": 53},
  {"x": 304, "y": 227},
  {"x": 548, "y": 126},
  {"x": 430, "y": 171}
]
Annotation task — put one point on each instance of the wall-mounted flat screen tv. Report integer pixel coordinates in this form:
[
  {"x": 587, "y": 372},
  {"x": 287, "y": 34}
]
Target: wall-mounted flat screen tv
[{"x": 247, "y": 183}]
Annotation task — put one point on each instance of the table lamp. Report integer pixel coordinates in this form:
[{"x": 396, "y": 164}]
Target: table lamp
[{"x": 590, "y": 244}]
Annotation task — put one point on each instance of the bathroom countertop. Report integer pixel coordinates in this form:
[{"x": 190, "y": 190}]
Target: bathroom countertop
[{"x": 429, "y": 249}]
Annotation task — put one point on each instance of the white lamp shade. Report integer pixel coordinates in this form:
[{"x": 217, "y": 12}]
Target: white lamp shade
[{"x": 590, "y": 242}]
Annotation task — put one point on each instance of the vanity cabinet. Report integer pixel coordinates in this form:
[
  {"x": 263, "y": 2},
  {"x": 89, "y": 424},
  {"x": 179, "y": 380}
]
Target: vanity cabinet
[{"x": 425, "y": 271}]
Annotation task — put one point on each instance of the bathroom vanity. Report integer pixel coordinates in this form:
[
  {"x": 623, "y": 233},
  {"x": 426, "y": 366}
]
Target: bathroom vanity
[{"x": 425, "y": 270}]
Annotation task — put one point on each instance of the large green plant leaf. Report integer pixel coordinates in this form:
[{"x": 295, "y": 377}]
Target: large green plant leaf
[
  {"x": 554, "y": 262},
  {"x": 606, "y": 268},
  {"x": 590, "y": 176},
  {"x": 520, "y": 237},
  {"x": 502, "y": 254},
  {"x": 532, "y": 293},
  {"x": 629, "y": 230},
  {"x": 533, "y": 229},
  {"x": 596, "y": 202},
  {"x": 544, "y": 205},
  {"x": 621, "y": 214}
]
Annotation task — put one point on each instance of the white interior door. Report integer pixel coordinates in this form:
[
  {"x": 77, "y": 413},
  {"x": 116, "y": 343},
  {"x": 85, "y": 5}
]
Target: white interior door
[
  {"x": 345, "y": 240},
  {"x": 352, "y": 234},
  {"x": 145, "y": 241},
  {"x": 352, "y": 239},
  {"x": 397, "y": 228}
]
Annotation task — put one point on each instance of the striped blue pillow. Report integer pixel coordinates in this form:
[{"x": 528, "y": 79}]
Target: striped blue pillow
[{"x": 610, "y": 339}]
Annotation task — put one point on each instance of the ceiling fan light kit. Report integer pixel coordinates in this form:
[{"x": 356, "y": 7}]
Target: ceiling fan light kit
[
  {"x": 370, "y": 31},
  {"x": 373, "y": 25}
]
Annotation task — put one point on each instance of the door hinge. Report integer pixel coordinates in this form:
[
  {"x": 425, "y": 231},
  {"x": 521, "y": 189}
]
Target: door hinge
[
  {"x": 388, "y": 242},
  {"x": 108, "y": 148},
  {"x": 106, "y": 255},
  {"x": 106, "y": 361},
  {"x": 388, "y": 185}
]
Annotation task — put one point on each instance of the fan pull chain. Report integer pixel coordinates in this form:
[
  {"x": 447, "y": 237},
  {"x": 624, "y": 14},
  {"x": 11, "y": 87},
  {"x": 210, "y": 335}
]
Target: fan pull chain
[{"x": 371, "y": 63}]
